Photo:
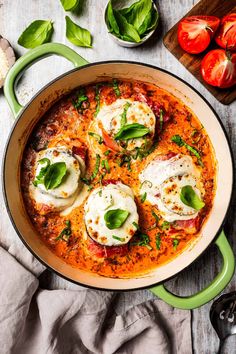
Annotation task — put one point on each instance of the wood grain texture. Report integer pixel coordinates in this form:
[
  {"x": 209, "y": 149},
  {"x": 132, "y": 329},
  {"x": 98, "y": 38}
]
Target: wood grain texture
[
  {"x": 14, "y": 17},
  {"x": 217, "y": 8}
]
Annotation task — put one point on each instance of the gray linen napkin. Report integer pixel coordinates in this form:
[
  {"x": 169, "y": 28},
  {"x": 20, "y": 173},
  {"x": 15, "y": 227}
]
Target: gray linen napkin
[{"x": 40, "y": 321}]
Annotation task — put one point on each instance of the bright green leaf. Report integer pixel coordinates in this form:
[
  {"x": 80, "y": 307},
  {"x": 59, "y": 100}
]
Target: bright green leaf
[
  {"x": 70, "y": 5},
  {"x": 77, "y": 35},
  {"x": 189, "y": 197},
  {"x": 111, "y": 20},
  {"x": 131, "y": 131},
  {"x": 126, "y": 29},
  {"x": 115, "y": 218},
  {"x": 54, "y": 175},
  {"x": 37, "y": 33}
]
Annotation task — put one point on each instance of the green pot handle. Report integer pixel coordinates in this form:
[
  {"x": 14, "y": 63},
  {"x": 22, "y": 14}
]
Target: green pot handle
[
  {"x": 30, "y": 58},
  {"x": 212, "y": 290}
]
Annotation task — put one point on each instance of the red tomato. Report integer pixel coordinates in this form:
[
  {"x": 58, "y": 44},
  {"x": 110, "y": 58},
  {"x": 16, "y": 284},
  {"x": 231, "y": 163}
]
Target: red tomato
[
  {"x": 226, "y": 34},
  {"x": 196, "y": 32},
  {"x": 218, "y": 68},
  {"x": 109, "y": 142}
]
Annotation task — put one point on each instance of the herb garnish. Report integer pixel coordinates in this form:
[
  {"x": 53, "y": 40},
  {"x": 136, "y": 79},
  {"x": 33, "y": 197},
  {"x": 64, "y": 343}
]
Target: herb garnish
[
  {"x": 131, "y": 131},
  {"x": 175, "y": 243},
  {"x": 95, "y": 171},
  {"x": 97, "y": 99},
  {"x": 158, "y": 240},
  {"x": 116, "y": 87},
  {"x": 180, "y": 142},
  {"x": 97, "y": 137},
  {"x": 70, "y": 5},
  {"x": 161, "y": 118},
  {"x": 81, "y": 98},
  {"x": 123, "y": 115},
  {"x": 189, "y": 197},
  {"x": 165, "y": 225},
  {"x": 66, "y": 232},
  {"x": 105, "y": 165},
  {"x": 143, "y": 197},
  {"x": 136, "y": 225},
  {"x": 50, "y": 176},
  {"x": 107, "y": 152},
  {"x": 121, "y": 239},
  {"x": 155, "y": 216},
  {"x": 115, "y": 218},
  {"x": 143, "y": 240}
]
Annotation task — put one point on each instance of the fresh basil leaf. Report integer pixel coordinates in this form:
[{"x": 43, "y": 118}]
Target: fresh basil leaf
[
  {"x": 115, "y": 218},
  {"x": 158, "y": 240},
  {"x": 96, "y": 136},
  {"x": 65, "y": 233},
  {"x": 121, "y": 239},
  {"x": 149, "y": 22},
  {"x": 54, "y": 175},
  {"x": 189, "y": 197},
  {"x": 40, "y": 177},
  {"x": 70, "y": 5},
  {"x": 81, "y": 98},
  {"x": 77, "y": 35},
  {"x": 138, "y": 13},
  {"x": 126, "y": 29},
  {"x": 175, "y": 243},
  {"x": 111, "y": 20},
  {"x": 116, "y": 88},
  {"x": 123, "y": 115},
  {"x": 131, "y": 131},
  {"x": 38, "y": 32},
  {"x": 96, "y": 169},
  {"x": 143, "y": 197},
  {"x": 180, "y": 142},
  {"x": 143, "y": 240},
  {"x": 136, "y": 225}
]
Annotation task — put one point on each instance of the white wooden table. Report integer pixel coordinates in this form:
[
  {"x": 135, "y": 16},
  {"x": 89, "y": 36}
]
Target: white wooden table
[{"x": 14, "y": 17}]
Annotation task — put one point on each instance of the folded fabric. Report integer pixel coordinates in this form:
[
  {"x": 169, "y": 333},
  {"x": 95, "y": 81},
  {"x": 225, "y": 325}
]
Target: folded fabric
[{"x": 40, "y": 321}]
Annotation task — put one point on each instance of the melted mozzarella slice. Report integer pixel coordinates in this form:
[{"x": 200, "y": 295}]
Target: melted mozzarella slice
[
  {"x": 163, "y": 180},
  {"x": 110, "y": 197},
  {"x": 110, "y": 118},
  {"x": 65, "y": 194}
]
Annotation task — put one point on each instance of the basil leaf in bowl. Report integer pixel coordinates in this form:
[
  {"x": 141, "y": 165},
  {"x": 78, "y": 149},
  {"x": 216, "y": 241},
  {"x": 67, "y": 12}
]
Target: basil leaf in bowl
[
  {"x": 37, "y": 33},
  {"x": 133, "y": 25},
  {"x": 77, "y": 35},
  {"x": 189, "y": 197}
]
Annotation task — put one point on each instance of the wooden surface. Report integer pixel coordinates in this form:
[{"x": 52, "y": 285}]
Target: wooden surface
[
  {"x": 14, "y": 16},
  {"x": 217, "y": 8}
]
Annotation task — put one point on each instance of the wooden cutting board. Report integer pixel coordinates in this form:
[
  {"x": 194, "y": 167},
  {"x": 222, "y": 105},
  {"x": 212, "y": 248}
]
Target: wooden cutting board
[{"x": 217, "y": 8}]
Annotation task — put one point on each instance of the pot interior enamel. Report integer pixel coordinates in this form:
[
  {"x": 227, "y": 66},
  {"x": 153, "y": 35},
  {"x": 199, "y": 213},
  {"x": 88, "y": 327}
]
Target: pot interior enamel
[{"x": 98, "y": 72}]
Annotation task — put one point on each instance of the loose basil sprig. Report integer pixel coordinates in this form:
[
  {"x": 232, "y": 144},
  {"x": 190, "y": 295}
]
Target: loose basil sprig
[
  {"x": 131, "y": 131},
  {"x": 115, "y": 218},
  {"x": 77, "y": 35},
  {"x": 37, "y": 33},
  {"x": 189, "y": 197},
  {"x": 180, "y": 142},
  {"x": 143, "y": 240},
  {"x": 66, "y": 232},
  {"x": 50, "y": 176}
]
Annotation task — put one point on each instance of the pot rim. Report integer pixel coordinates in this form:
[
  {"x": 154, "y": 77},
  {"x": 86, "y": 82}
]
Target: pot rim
[{"x": 63, "y": 76}]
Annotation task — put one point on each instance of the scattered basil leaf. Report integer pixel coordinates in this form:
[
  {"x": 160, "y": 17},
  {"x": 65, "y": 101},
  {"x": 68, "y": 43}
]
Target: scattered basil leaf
[
  {"x": 81, "y": 98},
  {"x": 40, "y": 177},
  {"x": 165, "y": 225},
  {"x": 37, "y": 33},
  {"x": 143, "y": 197},
  {"x": 127, "y": 31},
  {"x": 180, "y": 142},
  {"x": 116, "y": 88},
  {"x": 121, "y": 239},
  {"x": 189, "y": 197},
  {"x": 70, "y": 5},
  {"x": 115, "y": 218},
  {"x": 106, "y": 165},
  {"x": 54, "y": 175},
  {"x": 111, "y": 20},
  {"x": 124, "y": 113},
  {"x": 136, "y": 225},
  {"x": 175, "y": 243},
  {"x": 107, "y": 152},
  {"x": 97, "y": 137},
  {"x": 143, "y": 240},
  {"x": 155, "y": 216},
  {"x": 96, "y": 169},
  {"x": 131, "y": 131},
  {"x": 77, "y": 35},
  {"x": 66, "y": 232},
  {"x": 158, "y": 240}
]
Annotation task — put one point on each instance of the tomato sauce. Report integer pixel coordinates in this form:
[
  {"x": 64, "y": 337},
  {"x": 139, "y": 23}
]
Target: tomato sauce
[{"x": 66, "y": 125}]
